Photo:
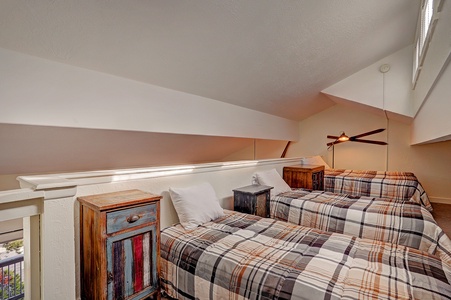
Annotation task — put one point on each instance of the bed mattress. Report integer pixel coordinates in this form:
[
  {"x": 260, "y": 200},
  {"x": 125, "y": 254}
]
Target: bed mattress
[
  {"x": 380, "y": 184},
  {"x": 387, "y": 220},
  {"x": 242, "y": 256}
]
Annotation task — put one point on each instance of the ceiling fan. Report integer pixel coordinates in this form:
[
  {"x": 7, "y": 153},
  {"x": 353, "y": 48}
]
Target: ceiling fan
[{"x": 356, "y": 138}]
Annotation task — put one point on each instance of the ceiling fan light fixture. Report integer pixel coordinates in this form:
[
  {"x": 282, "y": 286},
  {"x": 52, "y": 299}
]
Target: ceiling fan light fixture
[
  {"x": 356, "y": 138},
  {"x": 343, "y": 137}
]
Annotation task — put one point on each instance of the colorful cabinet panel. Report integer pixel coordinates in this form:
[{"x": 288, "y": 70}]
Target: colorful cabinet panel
[{"x": 119, "y": 245}]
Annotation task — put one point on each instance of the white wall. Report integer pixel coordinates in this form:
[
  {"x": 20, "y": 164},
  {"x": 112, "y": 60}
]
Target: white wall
[
  {"x": 428, "y": 106},
  {"x": 433, "y": 121},
  {"x": 432, "y": 92},
  {"x": 428, "y": 103},
  {"x": 437, "y": 57},
  {"x": 36, "y": 91},
  {"x": 389, "y": 91}
]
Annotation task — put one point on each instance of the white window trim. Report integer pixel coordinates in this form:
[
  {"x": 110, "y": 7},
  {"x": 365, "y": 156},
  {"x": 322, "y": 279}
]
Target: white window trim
[{"x": 424, "y": 34}]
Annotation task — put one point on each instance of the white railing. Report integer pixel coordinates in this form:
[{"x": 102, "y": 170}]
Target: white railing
[{"x": 11, "y": 278}]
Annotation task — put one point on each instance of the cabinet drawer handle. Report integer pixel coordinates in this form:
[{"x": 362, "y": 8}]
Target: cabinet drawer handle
[
  {"x": 133, "y": 218},
  {"x": 109, "y": 277}
]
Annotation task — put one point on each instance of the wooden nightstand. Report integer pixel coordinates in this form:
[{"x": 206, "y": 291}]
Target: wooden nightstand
[
  {"x": 119, "y": 245},
  {"x": 304, "y": 176},
  {"x": 252, "y": 199}
]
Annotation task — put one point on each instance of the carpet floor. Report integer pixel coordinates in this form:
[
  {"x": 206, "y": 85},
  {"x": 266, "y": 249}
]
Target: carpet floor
[{"x": 442, "y": 214}]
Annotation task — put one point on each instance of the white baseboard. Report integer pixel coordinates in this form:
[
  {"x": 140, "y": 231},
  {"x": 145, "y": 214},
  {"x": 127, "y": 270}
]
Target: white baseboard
[{"x": 440, "y": 200}]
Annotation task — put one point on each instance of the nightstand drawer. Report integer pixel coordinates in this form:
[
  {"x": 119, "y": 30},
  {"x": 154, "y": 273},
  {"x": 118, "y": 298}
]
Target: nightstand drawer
[{"x": 131, "y": 217}]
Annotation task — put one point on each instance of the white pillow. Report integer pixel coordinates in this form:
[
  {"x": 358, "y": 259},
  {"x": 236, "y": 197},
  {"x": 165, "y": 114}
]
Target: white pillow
[
  {"x": 196, "y": 205},
  {"x": 271, "y": 178},
  {"x": 314, "y": 160}
]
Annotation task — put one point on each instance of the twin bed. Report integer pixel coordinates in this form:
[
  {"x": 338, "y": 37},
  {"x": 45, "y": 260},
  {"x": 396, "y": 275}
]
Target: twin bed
[
  {"x": 388, "y": 220},
  {"x": 380, "y": 184},
  {"x": 241, "y": 256},
  {"x": 392, "y": 185},
  {"x": 316, "y": 245}
]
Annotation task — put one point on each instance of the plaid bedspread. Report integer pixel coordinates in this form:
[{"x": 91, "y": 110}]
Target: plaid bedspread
[
  {"x": 388, "y": 220},
  {"x": 393, "y": 185},
  {"x": 242, "y": 256}
]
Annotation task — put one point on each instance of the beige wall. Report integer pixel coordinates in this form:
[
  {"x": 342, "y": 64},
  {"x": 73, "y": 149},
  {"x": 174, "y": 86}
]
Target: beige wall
[
  {"x": 28, "y": 150},
  {"x": 314, "y": 131},
  {"x": 9, "y": 182},
  {"x": 431, "y": 163},
  {"x": 258, "y": 149}
]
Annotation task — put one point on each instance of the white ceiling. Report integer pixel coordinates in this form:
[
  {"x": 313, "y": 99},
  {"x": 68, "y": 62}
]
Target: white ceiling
[{"x": 266, "y": 55}]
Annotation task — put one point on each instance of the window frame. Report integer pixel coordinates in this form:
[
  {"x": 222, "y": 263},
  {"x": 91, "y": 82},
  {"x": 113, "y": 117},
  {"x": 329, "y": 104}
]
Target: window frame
[{"x": 427, "y": 20}]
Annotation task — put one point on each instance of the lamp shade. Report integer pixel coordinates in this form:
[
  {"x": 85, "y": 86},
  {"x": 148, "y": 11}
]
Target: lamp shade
[{"x": 343, "y": 137}]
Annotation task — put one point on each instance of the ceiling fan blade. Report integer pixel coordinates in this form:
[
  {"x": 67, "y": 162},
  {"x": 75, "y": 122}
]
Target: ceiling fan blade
[
  {"x": 336, "y": 142},
  {"x": 332, "y": 137},
  {"x": 367, "y": 133},
  {"x": 370, "y": 142}
]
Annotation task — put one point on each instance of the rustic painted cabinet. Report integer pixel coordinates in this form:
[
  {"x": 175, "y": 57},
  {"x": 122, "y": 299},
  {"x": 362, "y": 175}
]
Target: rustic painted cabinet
[
  {"x": 252, "y": 199},
  {"x": 119, "y": 245},
  {"x": 304, "y": 176}
]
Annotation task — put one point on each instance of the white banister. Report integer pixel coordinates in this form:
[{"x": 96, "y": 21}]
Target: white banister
[
  {"x": 20, "y": 203},
  {"x": 27, "y": 205}
]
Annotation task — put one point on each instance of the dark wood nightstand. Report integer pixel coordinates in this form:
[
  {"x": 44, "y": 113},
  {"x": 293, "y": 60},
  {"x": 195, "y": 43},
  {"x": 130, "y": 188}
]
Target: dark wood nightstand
[
  {"x": 304, "y": 176},
  {"x": 252, "y": 199}
]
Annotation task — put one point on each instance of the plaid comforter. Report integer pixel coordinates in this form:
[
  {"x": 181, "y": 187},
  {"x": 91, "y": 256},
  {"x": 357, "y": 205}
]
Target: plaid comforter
[
  {"x": 241, "y": 256},
  {"x": 387, "y": 220},
  {"x": 392, "y": 185}
]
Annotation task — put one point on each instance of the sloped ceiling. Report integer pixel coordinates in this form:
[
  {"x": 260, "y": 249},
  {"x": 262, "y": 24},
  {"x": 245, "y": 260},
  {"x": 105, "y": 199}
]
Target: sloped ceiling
[{"x": 270, "y": 56}]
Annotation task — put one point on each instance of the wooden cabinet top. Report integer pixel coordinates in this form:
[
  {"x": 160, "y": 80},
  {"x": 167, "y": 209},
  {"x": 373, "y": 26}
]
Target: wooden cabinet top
[
  {"x": 305, "y": 168},
  {"x": 253, "y": 189},
  {"x": 118, "y": 199}
]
